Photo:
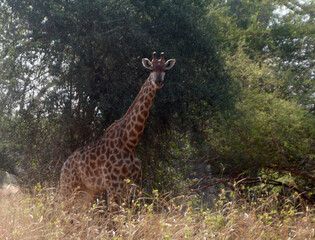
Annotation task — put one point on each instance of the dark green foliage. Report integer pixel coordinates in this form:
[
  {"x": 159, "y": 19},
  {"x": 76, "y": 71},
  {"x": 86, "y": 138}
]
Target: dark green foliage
[
  {"x": 240, "y": 96},
  {"x": 76, "y": 66},
  {"x": 266, "y": 132}
]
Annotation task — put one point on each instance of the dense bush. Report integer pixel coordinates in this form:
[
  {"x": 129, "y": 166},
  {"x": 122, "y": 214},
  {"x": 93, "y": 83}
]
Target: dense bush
[
  {"x": 71, "y": 68},
  {"x": 266, "y": 132},
  {"x": 240, "y": 96}
]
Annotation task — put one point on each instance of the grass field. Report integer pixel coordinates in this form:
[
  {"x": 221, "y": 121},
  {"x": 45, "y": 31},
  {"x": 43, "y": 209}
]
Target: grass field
[{"x": 39, "y": 215}]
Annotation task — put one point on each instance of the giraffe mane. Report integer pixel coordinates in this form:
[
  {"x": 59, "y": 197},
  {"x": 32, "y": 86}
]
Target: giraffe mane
[{"x": 130, "y": 108}]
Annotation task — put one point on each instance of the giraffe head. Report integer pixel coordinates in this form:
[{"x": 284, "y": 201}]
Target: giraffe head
[{"x": 158, "y": 68}]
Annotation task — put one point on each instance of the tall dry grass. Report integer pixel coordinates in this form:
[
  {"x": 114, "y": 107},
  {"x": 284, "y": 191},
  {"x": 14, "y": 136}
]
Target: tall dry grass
[{"x": 40, "y": 215}]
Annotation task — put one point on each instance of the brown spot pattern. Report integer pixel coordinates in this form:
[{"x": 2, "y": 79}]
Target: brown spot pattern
[{"x": 111, "y": 159}]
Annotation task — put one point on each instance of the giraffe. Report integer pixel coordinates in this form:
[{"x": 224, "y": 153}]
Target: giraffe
[{"x": 104, "y": 165}]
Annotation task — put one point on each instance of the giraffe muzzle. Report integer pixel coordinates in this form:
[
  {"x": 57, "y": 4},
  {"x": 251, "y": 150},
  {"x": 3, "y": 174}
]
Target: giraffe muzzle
[{"x": 159, "y": 81}]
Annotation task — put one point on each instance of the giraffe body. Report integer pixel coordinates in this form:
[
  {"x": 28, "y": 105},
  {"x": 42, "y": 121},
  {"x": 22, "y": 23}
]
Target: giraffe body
[{"x": 104, "y": 165}]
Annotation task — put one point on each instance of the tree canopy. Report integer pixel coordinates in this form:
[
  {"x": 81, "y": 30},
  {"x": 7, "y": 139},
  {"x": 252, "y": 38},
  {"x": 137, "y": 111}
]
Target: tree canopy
[{"x": 242, "y": 91}]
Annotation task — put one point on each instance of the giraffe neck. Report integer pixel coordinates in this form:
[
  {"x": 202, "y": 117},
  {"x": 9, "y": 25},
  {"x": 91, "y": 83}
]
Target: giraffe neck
[{"x": 128, "y": 130}]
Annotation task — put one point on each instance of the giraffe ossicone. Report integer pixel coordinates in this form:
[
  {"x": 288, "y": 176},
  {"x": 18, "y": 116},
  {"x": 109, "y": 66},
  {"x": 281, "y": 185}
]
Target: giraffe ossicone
[{"x": 104, "y": 165}]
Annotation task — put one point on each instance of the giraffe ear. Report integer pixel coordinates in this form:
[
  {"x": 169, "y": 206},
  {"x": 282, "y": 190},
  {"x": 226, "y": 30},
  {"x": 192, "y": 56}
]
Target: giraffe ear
[
  {"x": 146, "y": 63},
  {"x": 169, "y": 64}
]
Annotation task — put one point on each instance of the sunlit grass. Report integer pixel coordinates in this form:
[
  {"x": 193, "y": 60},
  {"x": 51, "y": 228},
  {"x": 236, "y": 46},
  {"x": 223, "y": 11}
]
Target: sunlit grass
[{"x": 40, "y": 215}]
